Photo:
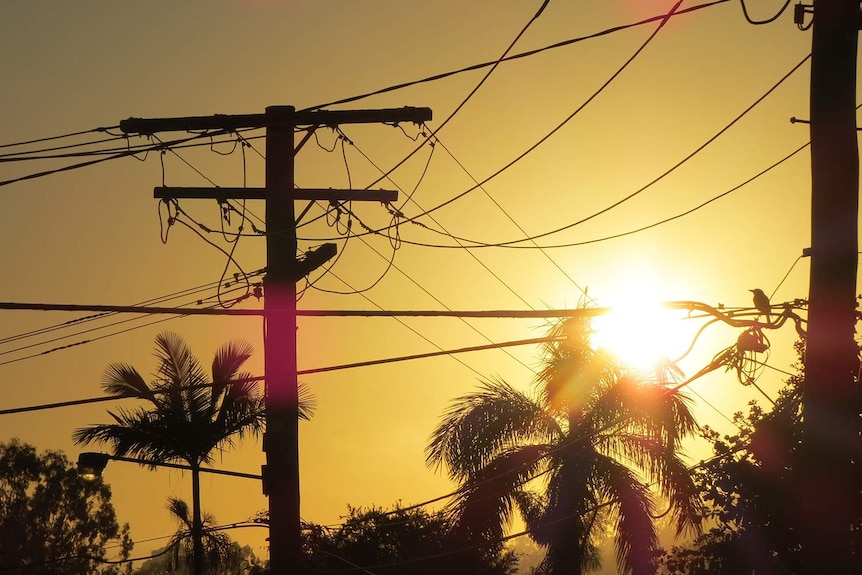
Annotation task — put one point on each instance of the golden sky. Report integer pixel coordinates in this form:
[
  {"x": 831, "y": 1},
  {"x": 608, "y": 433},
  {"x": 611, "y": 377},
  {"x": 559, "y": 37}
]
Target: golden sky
[{"x": 92, "y": 235}]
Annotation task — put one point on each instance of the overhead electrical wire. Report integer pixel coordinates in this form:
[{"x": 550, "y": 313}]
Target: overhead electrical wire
[
  {"x": 61, "y": 136},
  {"x": 174, "y": 311},
  {"x": 112, "y": 156},
  {"x": 520, "y": 55},
  {"x": 137, "y": 148},
  {"x": 466, "y": 99},
  {"x": 544, "y": 138},
  {"x": 28, "y": 155},
  {"x": 411, "y": 199},
  {"x": 80, "y": 332},
  {"x": 511, "y": 219},
  {"x": 153, "y": 301},
  {"x": 405, "y": 324},
  {"x": 629, "y": 232},
  {"x": 511, "y": 245},
  {"x": 769, "y": 20},
  {"x": 309, "y": 371},
  {"x": 666, "y": 172}
]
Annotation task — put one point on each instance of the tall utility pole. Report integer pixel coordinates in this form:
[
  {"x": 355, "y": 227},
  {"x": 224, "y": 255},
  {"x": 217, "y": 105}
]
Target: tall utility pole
[
  {"x": 828, "y": 493},
  {"x": 281, "y": 442}
]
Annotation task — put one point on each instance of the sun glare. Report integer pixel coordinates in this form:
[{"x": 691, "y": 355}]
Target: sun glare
[{"x": 640, "y": 332}]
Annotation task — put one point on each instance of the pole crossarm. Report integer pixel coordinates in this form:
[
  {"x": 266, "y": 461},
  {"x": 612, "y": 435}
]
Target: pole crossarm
[
  {"x": 149, "y": 126},
  {"x": 310, "y": 194}
]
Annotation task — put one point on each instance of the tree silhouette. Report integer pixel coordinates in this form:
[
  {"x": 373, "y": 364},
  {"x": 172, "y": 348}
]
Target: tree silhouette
[
  {"x": 585, "y": 444},
  {"x": 400, "y": 541},
  {"x": 189, "y": 415},
  {"x": 754, "y": 495},
  {"x": 52, "y": 521}
]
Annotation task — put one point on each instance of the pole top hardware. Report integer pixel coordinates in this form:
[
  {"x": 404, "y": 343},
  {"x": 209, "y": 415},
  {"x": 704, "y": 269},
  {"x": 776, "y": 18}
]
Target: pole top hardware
[{"x": 232, "y": 122}]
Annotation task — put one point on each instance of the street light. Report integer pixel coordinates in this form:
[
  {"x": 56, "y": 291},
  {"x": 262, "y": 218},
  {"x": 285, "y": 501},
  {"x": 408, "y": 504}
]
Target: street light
[{"x": 91, "y": 464}]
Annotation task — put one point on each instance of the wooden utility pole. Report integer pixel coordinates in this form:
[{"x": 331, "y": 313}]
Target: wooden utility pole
[
  {"x": 281, "y": 442},
  {"x": 828, "y": 493}
]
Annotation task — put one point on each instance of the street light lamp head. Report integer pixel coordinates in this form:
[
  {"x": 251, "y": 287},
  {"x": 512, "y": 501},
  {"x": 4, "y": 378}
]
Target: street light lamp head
[{"x": 91, "y": 465}]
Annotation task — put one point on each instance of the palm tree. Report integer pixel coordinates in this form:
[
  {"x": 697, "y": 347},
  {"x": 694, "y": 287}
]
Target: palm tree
[
  {"x": 574, "y": 459},
  {"x": 221, "y": 554},
  {"x": 190, "y": 415}
]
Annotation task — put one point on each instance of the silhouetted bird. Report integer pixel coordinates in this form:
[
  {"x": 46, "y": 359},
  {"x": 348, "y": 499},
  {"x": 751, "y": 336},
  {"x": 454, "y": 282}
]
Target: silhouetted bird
[{"x": 761, "y": 302}]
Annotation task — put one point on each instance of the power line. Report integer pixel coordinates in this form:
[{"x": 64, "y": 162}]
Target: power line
[
  {"x": 511, "y": 219},
  {"x": 750, "y": 20},
  {"x": 403, "y": 323},
  {"x": 468, "y": 97},
  {"x": 513, "y": 243},
  {"x": 88, "y": 319},
  {"x": 474, "y": 67},
  {"x": 548, "y": 135},
  {"x": 28, "y": 155},
  {"x": 6, "y": 305},
  {"x": 727, "y": 314},
  {"x": 510, "y": 245},
  {"x": 310, "y": 371},
  {"x": 679, "y": 163},
  {"x": 50, "y": 138},
  {"x": 123, "y": 154}
]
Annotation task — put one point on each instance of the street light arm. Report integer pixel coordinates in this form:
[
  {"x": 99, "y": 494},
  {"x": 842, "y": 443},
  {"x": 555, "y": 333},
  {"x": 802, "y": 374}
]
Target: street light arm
[{"x": 92, "y": 464}]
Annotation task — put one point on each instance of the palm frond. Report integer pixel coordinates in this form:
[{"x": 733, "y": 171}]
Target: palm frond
[
  {"x": 479, "y": 426},
  {"x": 307, "y": 402},
  {"x": 636, "y": 539},
  {"x": 485, "y": 503},
  {"x": 179, "y": 509},
  {"x": 229, "y": 359},
  {"x": 571, "y": 368},
  {"x": 123, "y": 380},
  {"x": 177, "y": 364},
  {"x": 676, "y": 483},
  {"x": 653, "y": 410}
]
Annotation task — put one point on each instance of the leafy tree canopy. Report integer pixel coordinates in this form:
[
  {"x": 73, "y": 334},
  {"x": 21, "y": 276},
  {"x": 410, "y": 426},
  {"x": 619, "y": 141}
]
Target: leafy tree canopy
[
  {"x": 400, "y": 541},
  {"x": 52, "y": 521},
  {"x": 753, "y": 491}
]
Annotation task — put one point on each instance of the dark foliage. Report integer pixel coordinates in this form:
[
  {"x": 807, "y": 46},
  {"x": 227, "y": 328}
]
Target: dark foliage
[
  {"x": 52, "y": 520},
  {"x": 754, "y": 491},
  {"x": 401, "y": 541}
]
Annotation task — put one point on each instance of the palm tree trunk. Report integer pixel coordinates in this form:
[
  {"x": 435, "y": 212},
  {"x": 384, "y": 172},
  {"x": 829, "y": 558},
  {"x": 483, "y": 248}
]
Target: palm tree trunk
[{"x": 197, "y": 523}]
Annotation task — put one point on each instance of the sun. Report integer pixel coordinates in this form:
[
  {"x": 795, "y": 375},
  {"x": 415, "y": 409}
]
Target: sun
[{"x": 639, "y": 331}]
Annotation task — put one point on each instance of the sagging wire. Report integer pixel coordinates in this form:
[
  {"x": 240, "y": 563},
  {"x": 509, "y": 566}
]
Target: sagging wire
[
  {"x": 168, "y": 221},
  {"x": 173, "y": 213},
  {"x": 750, "y": 20},
  {"x": 135, "y": 156},
  {"x": 415, "y": 138},
  {"x": 334, "y": 221},
  {"x": 344, "y": 139},
  {"x": 334, "y": 143},
  {"x": 197, "y": 228},
  {"x": 235, "y": 241},
  {"x": 396, "y": 240},
  {"x": 232, "y": 150}
]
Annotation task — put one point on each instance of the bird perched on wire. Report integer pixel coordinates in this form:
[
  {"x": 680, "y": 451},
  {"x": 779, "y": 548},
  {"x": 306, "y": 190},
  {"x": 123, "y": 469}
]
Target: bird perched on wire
[{"x": 761, "y": 302}]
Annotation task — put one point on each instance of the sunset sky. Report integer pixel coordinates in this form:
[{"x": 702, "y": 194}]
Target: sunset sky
[{"x": 92, "y": 235}]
